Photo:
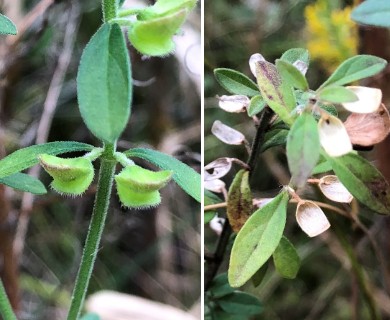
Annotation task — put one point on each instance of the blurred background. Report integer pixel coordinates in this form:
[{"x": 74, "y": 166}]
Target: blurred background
[
  {"x": 327, "y": 284},
  {"x": 154, "y": 254}
]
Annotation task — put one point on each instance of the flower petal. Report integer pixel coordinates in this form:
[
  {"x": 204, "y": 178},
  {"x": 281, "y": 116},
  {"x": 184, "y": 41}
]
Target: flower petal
[
  {"x": 334, "y": 190},
  {"x": 369, "y": 100},
  {"x": 333, "y": 136},
  {"x": 311, "y": 218},
  {"x": 257, "y": 57},
  {"x": 235, "y": 103}
]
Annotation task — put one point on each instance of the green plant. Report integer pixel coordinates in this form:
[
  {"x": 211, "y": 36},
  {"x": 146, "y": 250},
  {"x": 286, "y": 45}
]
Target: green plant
[
  {"x": 104, "y": 86},
  {"x": 372, "y": 12},
  {"x": 286, "y": 112}
]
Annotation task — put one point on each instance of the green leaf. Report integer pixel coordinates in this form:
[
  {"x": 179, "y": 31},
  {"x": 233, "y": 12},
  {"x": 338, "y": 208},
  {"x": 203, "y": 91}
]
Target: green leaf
[
  {"x": 104, "y": 85},
  {"x": 354, "y": 69},
  {"x": 276, "y": 92},
  {"x": 322, "y": 166},
  {"x": 373, "y": 12},
  {"x": 286, "y": 259},
  {"x": 28, "y": 157},
  {"x": 337, "y": 94},
  {"x": 292, "y": 75},
  {"x": 220, "y": 286},
  {"x": 187, "y": 178},
  {"x": 7, "y": 26},
  {"x": 236, "y": 82},
  {"x": 257, "y": 240},
  {"x": 363, "y": 181},
  {"x": 240, "y": 303},
  {"x": 256, "y": 105},
  {"x": 153, "y": 37},
  {"x": 24, "y": 182},
  {"x": 274, "y": 138},
  {"x": 295, "y": 54},
  {"x": 303, "y": 148}
]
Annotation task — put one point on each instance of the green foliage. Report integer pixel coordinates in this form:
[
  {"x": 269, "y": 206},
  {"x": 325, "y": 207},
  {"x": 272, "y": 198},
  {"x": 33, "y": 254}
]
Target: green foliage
[
  {"x": 295, "y": 54},
  {"x": 364, "y": 181},
  {"x": 292, "y": 75},
  {"x": 286, "y": 259},
  {"x": 24, "y": 182},
  {"x": 354, "y": 69},
  {"x": 28, "y": 157},
  {"x": 257, "y": 240},
  {"x": 90, "y": 316},
  {"x": 187, "y": 178},
  {"x": 336, "y": 94},
  {"x": 235, "y": 82},
  {"x": 229, "y": 303},
  {"x": 104, "y": 92},
  {"x": 274, "y": 138},
  {"x": 275, "y": 91},
  {"x": 373, "y": 12},
  {"x": 208, "y": 199},
  {"x": 7, "y": 26},
  {"x": 154, "y": 37},
  {"x": 256, "y": 105},
  {"x": 303, "y": 148}
]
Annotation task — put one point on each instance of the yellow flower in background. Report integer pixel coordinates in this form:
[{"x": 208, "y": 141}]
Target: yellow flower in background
[{"x": 331, "y": 34}]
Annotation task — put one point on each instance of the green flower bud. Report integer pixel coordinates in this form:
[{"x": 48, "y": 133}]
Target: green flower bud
[
  {"x": 154, "y": 37},
  {"x": 70, "y": 176},
  {"x": 138, "y": 187}
]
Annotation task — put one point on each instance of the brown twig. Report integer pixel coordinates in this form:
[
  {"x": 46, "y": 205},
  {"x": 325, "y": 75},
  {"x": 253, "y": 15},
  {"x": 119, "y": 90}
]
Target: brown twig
[{"x": 47, "y": 114}]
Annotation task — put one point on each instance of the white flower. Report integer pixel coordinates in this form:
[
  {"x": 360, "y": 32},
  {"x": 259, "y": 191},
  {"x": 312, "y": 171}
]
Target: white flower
[
  {"x": 369, "y": 100},
  {"x": 235, "y": 103}
]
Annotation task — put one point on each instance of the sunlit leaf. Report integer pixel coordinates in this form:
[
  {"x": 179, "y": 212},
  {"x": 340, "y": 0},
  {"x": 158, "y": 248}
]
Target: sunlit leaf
[
  {"x": 28, "y": 157},
  {"x": 256, "y": 105},
  {"x": 257, "y": 240},
  {"x": 186, "y": 177},
  {"x": 363, "y": 181},
  {"x": 373, "y": 12},
  {"x": 292, "y": 75},
  {"x": 337, "y": 94},
  {"x": 303, "y": 148},
  {"x": 235, "y": 82},
  {"x": 104, "y": 86},
  {"x": 276, "y": 92},
  {"x": 355, "y": 68}
]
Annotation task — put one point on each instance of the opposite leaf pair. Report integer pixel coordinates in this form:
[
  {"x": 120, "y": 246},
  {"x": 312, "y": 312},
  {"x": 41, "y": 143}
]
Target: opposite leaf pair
[{"x": 137, "y": 187}]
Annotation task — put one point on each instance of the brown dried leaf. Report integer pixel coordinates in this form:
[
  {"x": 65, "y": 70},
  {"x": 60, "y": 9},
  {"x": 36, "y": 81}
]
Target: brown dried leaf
[
  {"x": 311, "y": 218},
  {"x": 239, "y": 203},
  {"x": 334, "y": 190},
  {"x": 226, "y": 134},
  {"x": 218, "y": 168},
  {"x": 366, "y": 129}
]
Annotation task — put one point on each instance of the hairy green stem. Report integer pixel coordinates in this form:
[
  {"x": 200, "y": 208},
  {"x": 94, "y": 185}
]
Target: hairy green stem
[
  {"x": 5, "y": 306},
  {"x": 106, "y": 176},
  {"x": 110, "y": 9}
]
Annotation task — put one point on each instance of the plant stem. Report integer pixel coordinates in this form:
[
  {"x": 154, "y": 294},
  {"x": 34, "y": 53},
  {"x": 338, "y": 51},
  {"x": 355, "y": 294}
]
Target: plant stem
[
  {"x": 216, "y": 260},
  {"x": 110, "y": 9},
  {"x": 264, "y": 121},
  {"x": 5, "y": 306},
  {"x": 106, "y": 176}
]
